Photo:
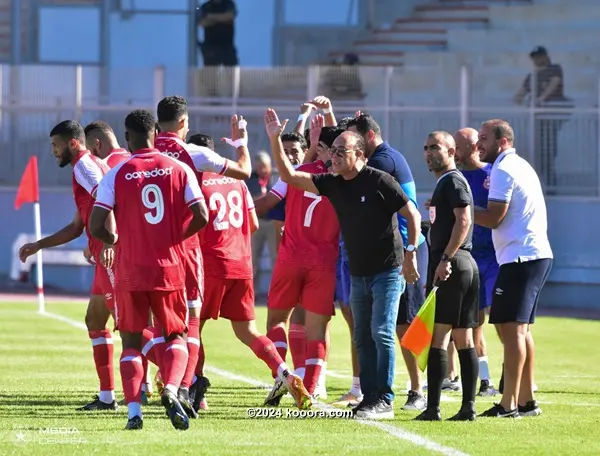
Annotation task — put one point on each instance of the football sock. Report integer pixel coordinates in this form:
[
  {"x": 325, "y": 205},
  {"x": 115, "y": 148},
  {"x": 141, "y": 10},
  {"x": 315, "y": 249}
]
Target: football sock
[
  {"x": 437, "y": 367},
  {"x": 102, "y": 345},
  {"x": 193, "y": 346},
  {"x": 315, "y": 357},
  {"x": 175, "y": 362},
  {"x": 265, "y": 350}
]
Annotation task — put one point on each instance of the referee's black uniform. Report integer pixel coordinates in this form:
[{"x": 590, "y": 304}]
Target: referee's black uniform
[{"x": 457, "y": 298}]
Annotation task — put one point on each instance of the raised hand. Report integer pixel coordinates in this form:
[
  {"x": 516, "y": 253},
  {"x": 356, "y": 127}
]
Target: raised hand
[
  {"x": 316, "y": 125},
  {"x": 307, "y": 108},
  {"x": 272, "y": 124},
  {"x": 321, "y": 102}
]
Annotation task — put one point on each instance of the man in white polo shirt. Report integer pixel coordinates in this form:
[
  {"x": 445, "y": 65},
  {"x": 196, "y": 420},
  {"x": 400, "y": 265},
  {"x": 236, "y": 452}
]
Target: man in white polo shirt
[{"x": 516, "y": 213}]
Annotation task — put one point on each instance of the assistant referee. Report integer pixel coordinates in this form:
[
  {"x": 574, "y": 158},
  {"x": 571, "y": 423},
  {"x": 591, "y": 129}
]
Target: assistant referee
[
  {"x": 366, "y": 202},
  {"x": 516, "y": 213},
  {"x": 452, "y": 267}
]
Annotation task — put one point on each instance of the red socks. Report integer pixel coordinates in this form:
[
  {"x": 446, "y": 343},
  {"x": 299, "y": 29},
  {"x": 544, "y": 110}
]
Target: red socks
[
  {"x": 193, "y": 347},
  {"x": 315, "y": 357},
  {"x": 174, "y": 363},
  {"x": 102, "y": 344},
  {"x": 264, "y": 349},
  {"x": 200, "y": 362},
  {"x": 297, "y": 336},
  {"x": 132, "y": 375},
  {"x": 277, "y": 335}
]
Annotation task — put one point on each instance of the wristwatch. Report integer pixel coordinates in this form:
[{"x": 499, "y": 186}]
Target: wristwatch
[
  {"x": 446, "y": 258},
  {"x": 411, "y": 248}
]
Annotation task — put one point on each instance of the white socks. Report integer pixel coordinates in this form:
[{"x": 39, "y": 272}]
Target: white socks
[{"x": 484, "y": 369}]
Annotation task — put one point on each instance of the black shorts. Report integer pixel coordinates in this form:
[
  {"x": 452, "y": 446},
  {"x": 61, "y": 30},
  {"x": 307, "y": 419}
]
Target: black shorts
[
  {"x": 414, "y": 295},
  {"x": 457, "y": 299},
  {"x": 517, "y": 291}
]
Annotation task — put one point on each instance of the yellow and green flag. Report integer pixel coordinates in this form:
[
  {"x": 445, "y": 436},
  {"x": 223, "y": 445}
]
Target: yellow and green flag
[{"x": 419, "y": 334}]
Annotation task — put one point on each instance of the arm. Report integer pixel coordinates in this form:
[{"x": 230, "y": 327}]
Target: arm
[
  {"x": 287, "y": 172},
  {"x": 459, "y": 230},
  {"x": 65, "y": 235},
  {"x": 550, "y": 88},
  {"x": 316, "y": 125},
  {"x": 265, "y": 203},
  {"x": 199, "y": 219},
  {"x": 253, "y": 221},
  {"x": 305, "y": 111},
  {"x": 324, "y": 103},
  {"x": 98, "y": 228},
  {"x": 413, "y": 218},
  {"x": 278, "y": 232},
  {"x": 500, "y": 194},
  {"x": 250, "y": 208}
]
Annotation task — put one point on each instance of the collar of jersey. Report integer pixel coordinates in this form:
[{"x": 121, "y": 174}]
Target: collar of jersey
[
  {"x": 503, "y": 155},
  {"x": 146, "y": 150}
]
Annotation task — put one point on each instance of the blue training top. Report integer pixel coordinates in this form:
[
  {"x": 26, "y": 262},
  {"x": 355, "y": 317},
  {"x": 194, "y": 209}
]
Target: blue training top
[
  {"x": 278, "y": 212},
  {"x": 387, "y": 159},
  {"x": 479, "y": 181}
]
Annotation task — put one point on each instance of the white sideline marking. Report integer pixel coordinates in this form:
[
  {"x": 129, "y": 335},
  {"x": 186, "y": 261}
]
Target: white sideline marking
[{"x": 401, "y": 434}]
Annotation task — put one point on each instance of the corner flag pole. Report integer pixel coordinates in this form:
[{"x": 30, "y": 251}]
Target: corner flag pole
[{"x": 29, "y": 192}]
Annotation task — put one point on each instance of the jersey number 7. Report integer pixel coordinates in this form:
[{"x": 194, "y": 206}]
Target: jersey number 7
[{"x": 311, "y": 207}]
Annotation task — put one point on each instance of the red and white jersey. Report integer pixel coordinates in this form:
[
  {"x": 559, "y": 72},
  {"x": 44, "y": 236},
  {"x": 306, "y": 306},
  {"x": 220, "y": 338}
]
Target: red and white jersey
[
  {"x": 150, "y": 195},
  {"x": 198, "y": 158},
  {"x": 116, "y": 156},
  {"x": 225, "y": 241},
  {"x": 311, "y": 233},
  {"x": 88, "y": 171}
]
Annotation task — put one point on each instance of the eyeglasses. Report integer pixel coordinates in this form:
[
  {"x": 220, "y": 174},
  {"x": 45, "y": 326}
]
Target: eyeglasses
[{"x": 340, "y": 152}]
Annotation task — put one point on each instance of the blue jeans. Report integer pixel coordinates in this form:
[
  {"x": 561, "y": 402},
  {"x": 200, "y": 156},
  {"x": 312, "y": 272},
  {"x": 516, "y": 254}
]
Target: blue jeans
[{"x": 374, "y": 303}]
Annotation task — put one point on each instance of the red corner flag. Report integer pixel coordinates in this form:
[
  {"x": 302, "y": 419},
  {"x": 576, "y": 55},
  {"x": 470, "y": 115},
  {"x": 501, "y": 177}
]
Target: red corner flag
[{"x": 28, "y": 191}]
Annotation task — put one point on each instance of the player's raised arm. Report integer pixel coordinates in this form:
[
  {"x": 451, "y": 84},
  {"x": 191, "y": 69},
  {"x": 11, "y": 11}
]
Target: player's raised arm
[
  {"x": 206, "y": 159},
  {"x": 287, "y": 172},
  {"x": 65, "y": 235}
]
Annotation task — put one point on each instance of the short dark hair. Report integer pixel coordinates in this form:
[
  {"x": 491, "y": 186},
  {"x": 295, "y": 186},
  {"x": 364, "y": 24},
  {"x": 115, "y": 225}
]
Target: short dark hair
[
  {"x": 98, "y": 125},
  {"x": 501, "y": 129},
  {"x": 202, "y": 140},
  {"x": 171, "y": 109},
  {"x": 141, "y": 122},
  {"x": 364, "y": 123},
  {"x": 343, "y": 124},
  {"x": 307, "y": 137},
  {"x": 328, "y": 135},
  {"x": 295, "y": 137},
  {"x": 360, "y": 143},
  {"x": 69, "y": 129}
]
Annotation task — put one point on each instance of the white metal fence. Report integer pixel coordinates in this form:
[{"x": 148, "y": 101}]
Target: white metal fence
[{"x": 561, "y": 142}]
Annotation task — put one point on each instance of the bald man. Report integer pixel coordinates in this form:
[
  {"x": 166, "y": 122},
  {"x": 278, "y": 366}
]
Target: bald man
[
  {"x": 477, "y": 174},
  {"x": 453, "y": 270}
]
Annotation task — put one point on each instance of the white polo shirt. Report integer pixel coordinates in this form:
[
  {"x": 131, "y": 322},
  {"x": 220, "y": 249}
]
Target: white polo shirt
[{"x": 522, "y": 235}]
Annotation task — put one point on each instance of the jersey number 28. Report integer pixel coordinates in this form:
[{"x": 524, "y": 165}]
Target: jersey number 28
[{"x": 230, "y": 210}]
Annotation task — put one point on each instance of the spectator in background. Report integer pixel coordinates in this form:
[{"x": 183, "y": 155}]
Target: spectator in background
[
  {"x": 549, "y": 93},
  {"x": 217, "y": 17},
  {"x": 260, "y": 182}
]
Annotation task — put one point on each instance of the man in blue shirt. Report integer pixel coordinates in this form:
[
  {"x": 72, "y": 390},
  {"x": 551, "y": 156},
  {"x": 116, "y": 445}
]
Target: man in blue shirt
[
  {"x": 477, "y": 174},
  {"x": 382, "y": 156}
]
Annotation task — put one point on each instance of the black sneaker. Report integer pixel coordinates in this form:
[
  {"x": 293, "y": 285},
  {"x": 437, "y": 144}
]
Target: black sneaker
[
  {"x": 365, "y": 403},
  {"x": 430, "y": 414},
  {"x": 486, "y": 389},
  {"x": 501, "y": 384},
  {"x": 97, "y": 404},
  {"x": 198, "y": 392},
  {"x": 466, "y": 413},
  {"x": 134, "y": 423},
  {"x": 497, "y": 411},
  {"x": 415, "y": 401},
  {"x": 184, "y": 399},
  {"x": 175, "y": 411},
  {"x": 379, "y": 410},
  {"x": 530, "y": 409},
  {"x": 277, "y": 392}
]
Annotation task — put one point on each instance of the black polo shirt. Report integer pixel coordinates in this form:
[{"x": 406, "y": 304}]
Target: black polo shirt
[
  {"x": 221, "y": 34},
  {"x": 451, "y": 191},
  {"x": 366, "y": 207}
]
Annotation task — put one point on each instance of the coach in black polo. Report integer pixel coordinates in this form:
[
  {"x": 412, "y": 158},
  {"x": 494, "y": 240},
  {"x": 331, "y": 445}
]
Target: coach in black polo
[
  {"x": 366, "y": 202},
  {"x": 454, "y": 270}
]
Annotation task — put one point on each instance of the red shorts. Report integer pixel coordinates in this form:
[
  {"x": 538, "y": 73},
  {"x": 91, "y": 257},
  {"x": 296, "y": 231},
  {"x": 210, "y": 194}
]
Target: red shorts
[
  {"x": 104, "y": 284},
  {"x": 194, "y": 277},
  {"x": 232, "y": 299},
  {"x": 132, "y": 312},
  {"x": 312, "y": 289}
]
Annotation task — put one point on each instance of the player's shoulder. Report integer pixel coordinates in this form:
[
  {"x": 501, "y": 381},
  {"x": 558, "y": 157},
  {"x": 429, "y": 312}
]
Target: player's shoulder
[
  {"x": 316, "y": 167},
  {"x": 218, "y": 181}
]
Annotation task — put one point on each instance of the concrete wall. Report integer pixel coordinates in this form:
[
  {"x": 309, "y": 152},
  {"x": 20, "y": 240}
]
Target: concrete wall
[{"x": 574, "y": 282}]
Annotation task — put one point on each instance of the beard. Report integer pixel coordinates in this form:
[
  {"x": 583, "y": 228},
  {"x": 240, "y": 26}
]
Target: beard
[
  {"x": 490, "y": 155},
  {"x": 65, "y": 157}
]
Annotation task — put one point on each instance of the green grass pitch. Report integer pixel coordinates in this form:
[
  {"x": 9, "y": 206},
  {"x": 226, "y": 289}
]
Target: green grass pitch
[{"x": 47, "y": 371}]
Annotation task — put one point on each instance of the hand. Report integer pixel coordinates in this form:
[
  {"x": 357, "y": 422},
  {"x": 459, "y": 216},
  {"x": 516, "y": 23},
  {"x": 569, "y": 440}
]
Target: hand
[
  {"x": 88, "y": 256},
  {"x": 27, "y": 250},
  {"x": 316, "y": 125},
  {"x": 307, "y": 108},
  {"x": 272, "y": 125},
  {"x": 357, "y": 114},
  {"x": 442, "y": 272},
  {"x": 427, "y": 204},
  {"x": 409, "y": 267},
  {"x": 321, "y": 102},
  {"x": 238, "y": 128},
  {"x": 107, "y": 257}
]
